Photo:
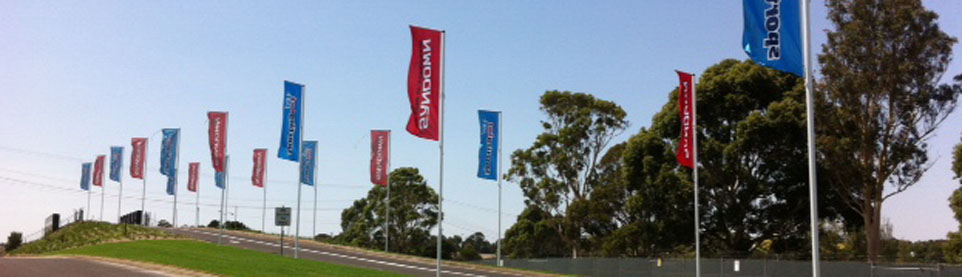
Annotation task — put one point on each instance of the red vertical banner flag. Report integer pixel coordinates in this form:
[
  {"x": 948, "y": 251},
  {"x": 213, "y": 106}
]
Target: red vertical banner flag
[
  {"x": 138, "y": 148},
  {"x": 424, "y": 82},
  {"x": 217, "y": 133},
  {"x": 380, "y": 156},
  {"x": 686, "y": 149},
  {"x": 192, "y": 176},
  {"x": 260, "y": 166},
  {"x": 99, "y": 171}
]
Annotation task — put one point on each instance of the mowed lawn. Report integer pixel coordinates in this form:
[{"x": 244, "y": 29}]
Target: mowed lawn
[{"x": 216, "y": 259}]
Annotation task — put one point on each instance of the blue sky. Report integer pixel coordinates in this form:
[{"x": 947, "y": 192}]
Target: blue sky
[{"x": 77, "y": 77}]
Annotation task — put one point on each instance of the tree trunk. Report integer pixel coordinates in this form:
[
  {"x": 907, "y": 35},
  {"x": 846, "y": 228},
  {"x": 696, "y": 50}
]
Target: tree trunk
[{"x": 873, "y": 235}]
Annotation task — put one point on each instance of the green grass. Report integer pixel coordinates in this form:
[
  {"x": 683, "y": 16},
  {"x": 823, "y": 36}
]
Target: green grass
[
  {"x": 89, "y": 233},
  {"x": 216, "y": 259}
]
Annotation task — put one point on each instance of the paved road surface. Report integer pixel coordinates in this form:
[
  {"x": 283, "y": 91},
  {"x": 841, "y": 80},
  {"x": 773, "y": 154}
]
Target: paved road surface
[
  {"x": 16, "y": 267},
  {"x": 335, "y": 256}
]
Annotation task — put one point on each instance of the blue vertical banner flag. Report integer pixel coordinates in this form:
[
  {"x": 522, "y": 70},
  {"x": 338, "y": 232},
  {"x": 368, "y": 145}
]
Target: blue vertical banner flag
[
  {"x": 488, "y": 153},
  {"x": 219, "y": 179},
  {"x": 308, "y": 156},
  {"x": 116, "y": 162},
  {"x": 291, "y": 121},
  {"x": 773, "y": 34},
  {"x": 85, "y": 176},
  {"x": 168, "y": 158}
]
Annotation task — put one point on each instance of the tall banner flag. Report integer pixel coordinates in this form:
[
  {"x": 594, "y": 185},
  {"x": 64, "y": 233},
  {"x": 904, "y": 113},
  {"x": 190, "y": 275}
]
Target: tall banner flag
[
  {"x": 309, "y": 154},
  {"x": 424, "y": 83},
  {"x": 192, "y": 172},
  {"x": 168, "y": 158},
  {"x": 772, "y": 35},
  {"x": 488, "y": 153},
  {"x": 291, "y": 121},
  {"x": 380, "y": 156},
  {"x": 685, "y": 145},
  {"x": 116, "y": 162},
  {"x": 217, "y": 134},
  {"x": 99, "y": 171},
  {"x": 85, "y": 176},
  {"x": 138, "y": 147},
  {"x": 260, "y": 166}
]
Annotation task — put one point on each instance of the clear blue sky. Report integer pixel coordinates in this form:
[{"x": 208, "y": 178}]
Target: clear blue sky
[{"x": 77, "y": 77}]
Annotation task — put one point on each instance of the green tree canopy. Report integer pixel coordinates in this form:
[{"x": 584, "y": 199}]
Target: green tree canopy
[
  {"x": 880, "y": 101},
  {"x": 413, "y": 213}
]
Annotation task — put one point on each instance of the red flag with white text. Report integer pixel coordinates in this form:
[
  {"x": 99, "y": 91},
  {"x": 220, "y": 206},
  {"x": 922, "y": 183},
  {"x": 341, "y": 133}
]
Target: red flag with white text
[
  {"x": 424, "y": 82},
  {"x": 217, "y": 134},
  {"x": 380, "y": 156},
  {"x": 686, "y": 150},
  {"x": 138, "y": 147},
  {"x": 260, "y": 166},
  {"x": 192, "y": 176},
  {"x": 99, "y": 171}
]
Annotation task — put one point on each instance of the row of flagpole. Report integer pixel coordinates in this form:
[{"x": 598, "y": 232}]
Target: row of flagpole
[{"x": 426, "y": 92}]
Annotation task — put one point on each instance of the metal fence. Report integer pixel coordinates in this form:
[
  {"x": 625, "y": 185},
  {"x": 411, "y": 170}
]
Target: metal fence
[{"x": 723, "y": 267}]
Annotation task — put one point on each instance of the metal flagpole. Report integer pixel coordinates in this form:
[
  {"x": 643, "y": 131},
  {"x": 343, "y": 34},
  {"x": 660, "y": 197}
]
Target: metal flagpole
[
  {"x": 223, "y": 197},
  {"x": 694, "y": 140},
  {"x": 143, "y": 192},
  {"x": 176, "y": 169},
  {"x": 314, "y": 221},
  {"x": 264, "y": 188},
  {"x": 297, "y": 231},
  {"x": 441, "y": 162},
  {"x": 103, "y": 191},
  {"x": 810, "y": 120},
  {"x": 499, "y": 187},
  {"x": 120, "y": 195},
  {"x": 89, "y": 214},
  {"x": 197, "y": 203},
  {"x": 387, "y": 205}
]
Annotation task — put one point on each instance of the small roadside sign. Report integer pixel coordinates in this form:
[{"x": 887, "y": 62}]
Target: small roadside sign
[{"x": 282, "y": 216}]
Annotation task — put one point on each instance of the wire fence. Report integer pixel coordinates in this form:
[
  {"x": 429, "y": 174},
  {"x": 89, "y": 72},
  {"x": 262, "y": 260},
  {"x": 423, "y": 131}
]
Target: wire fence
[{"x": 724, "y": 267}]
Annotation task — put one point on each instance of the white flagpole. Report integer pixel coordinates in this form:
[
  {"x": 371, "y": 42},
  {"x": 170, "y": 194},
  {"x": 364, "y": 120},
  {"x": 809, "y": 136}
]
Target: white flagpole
[
  {"x": 694, "y": 119},
  {"x": 103, "y": 191},
  {"x": 120, "y": 195},
  {"x": 223, "y": 196},
  {"x": 441, "y": 162},
  {"x": 264, "y": 188},
  {"x": 314, "y": 221},
  {"x": 176, "y": 169},
  {"x": 499, "y": 188},
  {"x": 143, "y": 192},
  {"x": 89, "y": 214},
  {"x": 810, "y": 120},
  {"x": 197, "y": 201},
  {"x": 387, "y": 214},
  {"x": 297, "y": 232}
]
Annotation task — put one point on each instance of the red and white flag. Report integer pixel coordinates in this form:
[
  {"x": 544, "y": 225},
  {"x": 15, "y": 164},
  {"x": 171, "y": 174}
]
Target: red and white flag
[
  {"x": 192, "y": 176},
  {"x": 686, "y": 150},
  {"x": 138, "y": 148},
  {"x": 424, "y": 82},
  {"x": 99, "y": 171},
  {"x": 260, "y": 166},
  {"x": 217, "y": 133},
  {"x": 380, "y": 157}
]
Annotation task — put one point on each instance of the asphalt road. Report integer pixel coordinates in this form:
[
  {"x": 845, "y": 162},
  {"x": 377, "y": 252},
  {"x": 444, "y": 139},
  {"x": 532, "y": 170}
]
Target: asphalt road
[
  {"x": 335, "y": 256},
  {"x": 16, "y": 267}
]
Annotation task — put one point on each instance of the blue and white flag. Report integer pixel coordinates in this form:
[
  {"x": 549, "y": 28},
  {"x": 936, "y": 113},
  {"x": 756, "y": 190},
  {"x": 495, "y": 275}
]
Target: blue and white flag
[
  {"x": 773, "y": 34},
  {"x": 291, "y": 121},
  {"x": 116, "y": 162},
  {"x": 488, "y": 153},
  {"x": 168, "y": 158},
  {"x": 219, "y": 179},
  {"x": 85, "y": 176},
  {"x": 307, "y": 162}
]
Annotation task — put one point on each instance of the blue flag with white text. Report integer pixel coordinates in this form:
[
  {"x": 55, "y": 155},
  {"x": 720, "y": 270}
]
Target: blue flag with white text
[
  {"x": 291, "y": 121},
  {"x": 488, "y": 153},
  {"x": 773, "y": 34},
  {"x": 168, "y": 158},
  {"x": 85, "y": 176},
  {"x": 307, "y": 162},
  {"x": 116, "y": 162}
]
